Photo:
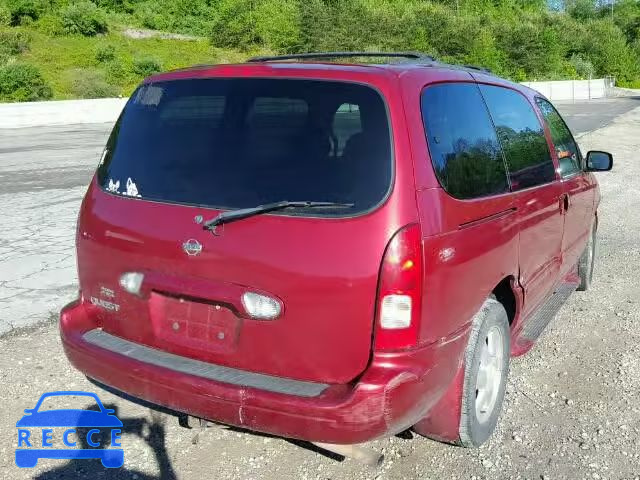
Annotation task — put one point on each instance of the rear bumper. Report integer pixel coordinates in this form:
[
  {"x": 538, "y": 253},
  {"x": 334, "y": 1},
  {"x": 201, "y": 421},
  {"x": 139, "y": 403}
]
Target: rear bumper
[{"x": 395, "y": 391}]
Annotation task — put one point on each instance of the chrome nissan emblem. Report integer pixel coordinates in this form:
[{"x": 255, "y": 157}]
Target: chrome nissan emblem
[{"x": 192, "y": 247}]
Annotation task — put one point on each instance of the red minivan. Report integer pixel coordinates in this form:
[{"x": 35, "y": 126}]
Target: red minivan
[{"x": 327, "y": 251}]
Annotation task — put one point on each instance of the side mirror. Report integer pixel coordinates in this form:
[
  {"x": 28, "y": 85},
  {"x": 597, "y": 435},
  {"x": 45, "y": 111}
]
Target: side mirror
[{"x": 599, "y": 161}]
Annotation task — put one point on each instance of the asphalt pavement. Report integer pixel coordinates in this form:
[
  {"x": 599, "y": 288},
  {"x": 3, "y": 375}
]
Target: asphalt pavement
[{"x": 585, "y": 116}]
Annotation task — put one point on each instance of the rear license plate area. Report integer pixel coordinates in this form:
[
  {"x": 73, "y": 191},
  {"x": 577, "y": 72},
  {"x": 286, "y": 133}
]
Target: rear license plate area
[{"x": 193, "y": 324}]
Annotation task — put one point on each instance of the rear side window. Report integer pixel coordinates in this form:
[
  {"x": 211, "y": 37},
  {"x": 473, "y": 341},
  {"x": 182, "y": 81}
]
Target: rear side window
[
  {"x": 463, "y": 145},
  {"x": 566, "y": 148},
  {"x": 522, "y": 137},
  {"x": 240, "y": 142}
]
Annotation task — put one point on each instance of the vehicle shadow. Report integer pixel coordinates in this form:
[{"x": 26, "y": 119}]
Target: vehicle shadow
[
  {"x": 182, "y": 419},
  {"x": 152, "y": 431},
  {"x": 198, "y": 433},
  {"x": 404, "y": 435}
]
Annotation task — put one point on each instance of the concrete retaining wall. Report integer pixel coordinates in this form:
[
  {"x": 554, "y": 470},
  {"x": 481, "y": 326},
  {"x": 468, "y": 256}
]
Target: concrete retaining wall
[
  {"x": 64, "y": 112},
  {"x": 107, "y": 110},
  {"x": 571, "y": 89}
]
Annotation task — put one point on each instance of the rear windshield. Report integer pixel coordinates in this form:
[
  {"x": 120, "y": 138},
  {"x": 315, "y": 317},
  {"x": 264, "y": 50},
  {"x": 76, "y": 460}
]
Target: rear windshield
[{"x": 237, "y": 143}]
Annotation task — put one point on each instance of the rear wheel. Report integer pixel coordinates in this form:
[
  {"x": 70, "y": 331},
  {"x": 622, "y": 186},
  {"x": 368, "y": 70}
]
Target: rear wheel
[
  {"x": 486, "y": 365},
  {"x": 587, "y": 261}
]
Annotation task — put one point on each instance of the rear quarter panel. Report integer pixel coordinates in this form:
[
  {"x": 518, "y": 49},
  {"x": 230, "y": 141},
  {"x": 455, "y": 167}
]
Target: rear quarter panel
[{"x": 469, "y": 245}]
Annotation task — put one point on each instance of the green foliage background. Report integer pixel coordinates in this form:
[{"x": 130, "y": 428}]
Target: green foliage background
[{"x": 78, "y": 49}]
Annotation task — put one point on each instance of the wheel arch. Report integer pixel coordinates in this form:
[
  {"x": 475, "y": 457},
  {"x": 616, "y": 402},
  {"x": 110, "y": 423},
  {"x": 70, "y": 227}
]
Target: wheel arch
[{"x": 508, "y": 293}]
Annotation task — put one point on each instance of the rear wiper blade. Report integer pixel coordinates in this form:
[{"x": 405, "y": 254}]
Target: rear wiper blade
[{"x": 233, "y": 215}]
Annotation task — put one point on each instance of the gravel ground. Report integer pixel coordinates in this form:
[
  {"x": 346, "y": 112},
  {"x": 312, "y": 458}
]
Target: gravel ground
[{"x": 571, "y": 411}]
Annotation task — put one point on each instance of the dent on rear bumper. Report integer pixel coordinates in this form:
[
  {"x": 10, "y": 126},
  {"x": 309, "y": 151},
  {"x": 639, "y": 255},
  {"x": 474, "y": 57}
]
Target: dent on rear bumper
[{"x": 394, "y": 392}]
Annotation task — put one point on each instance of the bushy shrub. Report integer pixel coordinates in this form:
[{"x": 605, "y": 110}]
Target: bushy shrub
[
  {"x": 583, "y": 67},
  {"x": 21, "y": 82},
  {"x": 124, "y": 6},
  {"x": 91, "y": 84},
  {"x": 116, "y": 71},
  {"x": 331, "y": 26},
  {"x": 5, "y": 16},
  {"x": 146, "y": 66},
  {"x": 83, "y": 18},
  {"x": 51, "y": 25},
  {"x": 13, "y": 42},
  {"x": 181, "y": 16},
  {"x": 24, "y": 11},
  {"x": 405, "y": 26},
  {"x": 149, "y": 16},
  {"x": 105, "y": 53},
  {"x": 190, "y": 16}
]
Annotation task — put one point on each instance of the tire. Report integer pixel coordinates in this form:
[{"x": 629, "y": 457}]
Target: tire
[
  {"x": 586, "y": 262},
  {"x": 485, "y": 375}
]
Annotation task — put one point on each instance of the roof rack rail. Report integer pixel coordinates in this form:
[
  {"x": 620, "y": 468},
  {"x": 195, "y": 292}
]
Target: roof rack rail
[
  {"x": 324, "y": 55},
  {"x": 475, "y": 67}
]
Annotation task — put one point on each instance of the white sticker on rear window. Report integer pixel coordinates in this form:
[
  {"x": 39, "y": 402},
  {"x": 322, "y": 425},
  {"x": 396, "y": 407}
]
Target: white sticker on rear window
[
  {"x": 132, "y": 189},
  {"x": 114, "y": 187}
]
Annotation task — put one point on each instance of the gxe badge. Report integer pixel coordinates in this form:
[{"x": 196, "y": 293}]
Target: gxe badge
[{"x": 192, "y": 247}]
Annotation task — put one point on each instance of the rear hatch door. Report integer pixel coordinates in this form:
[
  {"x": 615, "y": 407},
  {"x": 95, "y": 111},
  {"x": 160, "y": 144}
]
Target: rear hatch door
[{"x": 184, "y": 151}]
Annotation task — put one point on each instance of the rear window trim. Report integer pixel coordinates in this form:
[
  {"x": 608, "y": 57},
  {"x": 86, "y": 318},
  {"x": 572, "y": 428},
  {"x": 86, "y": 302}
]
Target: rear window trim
[{"x": 283, "y": 213}]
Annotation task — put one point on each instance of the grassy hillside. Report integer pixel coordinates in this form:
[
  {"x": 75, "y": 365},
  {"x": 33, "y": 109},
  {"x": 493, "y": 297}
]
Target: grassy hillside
[
  {"x": 78, "y": 49},
  {"x": 112, "y": 64}
]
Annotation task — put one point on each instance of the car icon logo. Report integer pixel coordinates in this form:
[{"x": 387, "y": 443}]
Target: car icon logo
[
  {"x": 39, "y": 428},
  {"x": 192, "y": 247}
]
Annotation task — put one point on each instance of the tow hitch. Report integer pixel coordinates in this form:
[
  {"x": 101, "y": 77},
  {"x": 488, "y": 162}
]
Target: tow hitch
[{"x": 197, "y": 424}]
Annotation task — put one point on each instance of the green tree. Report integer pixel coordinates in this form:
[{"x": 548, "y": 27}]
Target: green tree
[
  {"x": 234, "y": 24},
  {"x": 582, "y": 9},
  {"x": 627, "y": 16},
  {"x": 277, "y": 25},
  {"x": 607, "y": 49}
]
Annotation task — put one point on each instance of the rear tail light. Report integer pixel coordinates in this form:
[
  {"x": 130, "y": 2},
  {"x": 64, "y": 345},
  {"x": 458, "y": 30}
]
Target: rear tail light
[{"x": 399, "y": 299}]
